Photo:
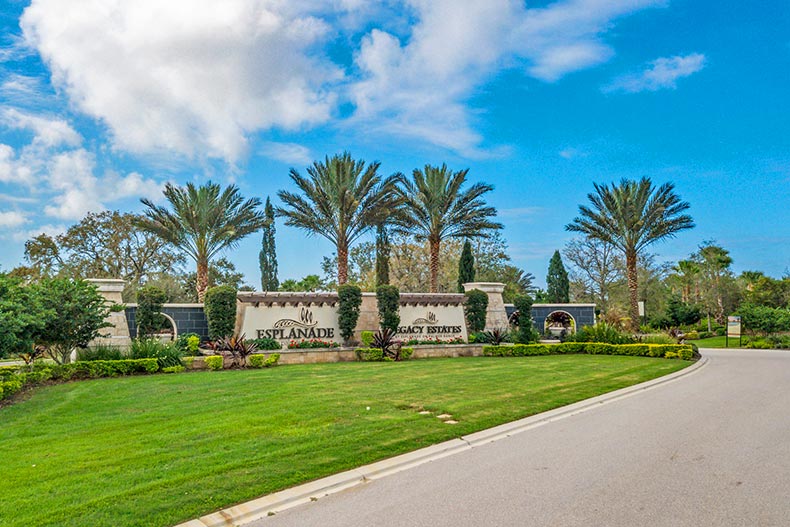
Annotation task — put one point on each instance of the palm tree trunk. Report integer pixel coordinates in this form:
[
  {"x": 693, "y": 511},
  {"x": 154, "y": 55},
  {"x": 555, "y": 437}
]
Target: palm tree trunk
[
  {"x": 342, "y": 263},
  {"x": 434, "y": 247},
  {"x": 201, "y": 280},
  {"x": 633, "y": 289}
]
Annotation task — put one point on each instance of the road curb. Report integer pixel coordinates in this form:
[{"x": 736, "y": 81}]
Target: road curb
[{"x": 285, "y": 499}]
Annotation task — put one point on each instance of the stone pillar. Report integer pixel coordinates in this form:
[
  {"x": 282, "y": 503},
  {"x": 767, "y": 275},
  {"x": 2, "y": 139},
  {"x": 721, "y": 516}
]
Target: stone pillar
[
  {"x": 496, "y": 316},
  {"x": 118, "y": 333}
]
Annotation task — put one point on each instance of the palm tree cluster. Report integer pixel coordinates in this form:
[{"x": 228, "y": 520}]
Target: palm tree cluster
[{"x": 342, "y": 199}]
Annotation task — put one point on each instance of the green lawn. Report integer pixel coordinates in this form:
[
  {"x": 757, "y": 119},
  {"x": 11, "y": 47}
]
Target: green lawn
[
  {"x": 157, "y": 450},
  {"x": 719, "y": 342}
]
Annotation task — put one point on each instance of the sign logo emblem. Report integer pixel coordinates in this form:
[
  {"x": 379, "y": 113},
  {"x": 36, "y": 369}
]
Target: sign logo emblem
[
  {"x": 305, "y": 321},
  {"x": 429, "y": 320}
]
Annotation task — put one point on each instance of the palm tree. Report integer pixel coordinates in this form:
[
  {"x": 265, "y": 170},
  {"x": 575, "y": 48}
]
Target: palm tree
[
  {"x": 687, "y": 272},
  {"x": 204, "y": 221},
  {"x": 630, "y": 217},
  {"x": 342, "y": 200},
  {"x": 436, "y": 209}
]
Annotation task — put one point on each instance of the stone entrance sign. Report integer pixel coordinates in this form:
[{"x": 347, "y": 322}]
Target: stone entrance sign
[
  {"x": 288, "y": 316},
  {"x": 425, "y": 322}
]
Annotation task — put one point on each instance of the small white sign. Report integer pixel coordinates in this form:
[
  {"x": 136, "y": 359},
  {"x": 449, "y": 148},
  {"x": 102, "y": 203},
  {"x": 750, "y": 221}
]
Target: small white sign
[
  {"x": 733, "y": 326},
  {"x": 641, "y": 308}
]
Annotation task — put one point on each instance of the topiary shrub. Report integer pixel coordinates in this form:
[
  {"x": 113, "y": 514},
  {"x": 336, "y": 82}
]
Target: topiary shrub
[
  {"x": 349, "y": 299},
  {"x": 148, "y": 316},
  {"x": 526, "y": 333},
  {"x": 388, "y": 299},
  {"x": 475, "y": 309},
  {"x": 220, "y": 308}
]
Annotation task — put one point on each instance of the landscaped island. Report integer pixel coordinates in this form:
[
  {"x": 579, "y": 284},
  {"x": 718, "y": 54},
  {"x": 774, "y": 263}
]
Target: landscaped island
[{"x": 157, "y": 450}]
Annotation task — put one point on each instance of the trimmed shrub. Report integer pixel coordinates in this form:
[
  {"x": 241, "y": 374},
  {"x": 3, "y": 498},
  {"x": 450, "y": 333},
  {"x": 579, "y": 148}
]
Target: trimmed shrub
[
  {"x": 349, "y": 299},
  {"x": 377, "y": 355},
  {"x": 682, "y": 351},
  {"x": 526, "y": 333},
  {"x": 214, "y": 362},
  {"x": 149, "y": 310},
  {"x": 367, "y": 338},
  {"x": 188, "y": 343},
  {"x": 388, "y": 299},
  {"x": 220, "y": 308},
  {"x": 173, "y": 369},
  {"x": 259, "y": 360},
  {"x": 475, "y": 309}
]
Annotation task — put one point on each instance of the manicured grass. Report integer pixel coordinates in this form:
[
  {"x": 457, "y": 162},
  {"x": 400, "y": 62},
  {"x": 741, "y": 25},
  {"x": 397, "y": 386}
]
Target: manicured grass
[
  {"x": 157, "y": 450},
  {"x": 719, "y": 342}
]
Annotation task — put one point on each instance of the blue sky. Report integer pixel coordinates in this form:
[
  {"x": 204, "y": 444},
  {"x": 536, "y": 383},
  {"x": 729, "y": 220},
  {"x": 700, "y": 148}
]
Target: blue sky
[{"x": 103, "y": 102}]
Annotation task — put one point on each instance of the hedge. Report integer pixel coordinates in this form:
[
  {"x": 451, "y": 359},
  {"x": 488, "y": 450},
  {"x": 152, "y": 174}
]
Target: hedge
[
  {"x": 14, "y": 378},
  {"x": 669, "y": 351},
  {"x": 376, "y": 355}
]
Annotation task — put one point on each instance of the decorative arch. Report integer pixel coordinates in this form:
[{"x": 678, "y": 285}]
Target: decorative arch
[
  {"x": 173, "y": 324},
  {"x": 559, "y": 321}
]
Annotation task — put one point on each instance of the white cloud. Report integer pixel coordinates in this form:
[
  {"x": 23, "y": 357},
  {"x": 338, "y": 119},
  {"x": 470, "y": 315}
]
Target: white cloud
[
  {"x": 11, "y": 219},
  {"x": 287, "y": 152},
  {"x": 48, "y": 132},
  {"x": 420, "y": 85},
  {"x": 80, "y": 191},
  {"x": 192, "y": 77},
  {"x": 198, "y": 77},
  {"x": 661, "y": 73}
]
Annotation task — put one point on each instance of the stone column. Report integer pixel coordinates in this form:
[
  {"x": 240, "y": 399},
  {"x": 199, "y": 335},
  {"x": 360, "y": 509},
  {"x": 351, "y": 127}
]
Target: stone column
[
  {"x": 496, "y": 316},
  {"x": 118, "y": 333}
]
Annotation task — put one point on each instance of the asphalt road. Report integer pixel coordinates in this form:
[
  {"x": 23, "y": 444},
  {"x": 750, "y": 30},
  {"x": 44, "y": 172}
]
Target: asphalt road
[{"x": 709, "y": 449}]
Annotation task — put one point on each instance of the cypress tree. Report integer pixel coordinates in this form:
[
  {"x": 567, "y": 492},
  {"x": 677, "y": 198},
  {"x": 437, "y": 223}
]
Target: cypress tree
[
  {"x": 382, "y": 256},
  {"x": 557, "y": 284},
  {"x": 466, "y": 266},
  {"x": 268, "y": 254}
]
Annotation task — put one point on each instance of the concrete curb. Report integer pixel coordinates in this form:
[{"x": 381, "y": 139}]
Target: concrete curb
[{"x": 279, "y": 501}]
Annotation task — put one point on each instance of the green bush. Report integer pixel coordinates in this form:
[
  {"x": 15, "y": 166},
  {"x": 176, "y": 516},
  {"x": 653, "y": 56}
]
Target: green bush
[
  {"x": 267, "y": 344},
  {"x": 367, "y": 338},
  {"x": 259, "y": 360},
  {"x": 220, "y": 309},
  {"x": 349, "y": 298},
  {"x": 173, "y": 369},
  {"x": 475, "y": 309},
  {"x": 388, "y": 299},
  {"x": 526, "y": 333},
  {"x": 683, "y": 351},
  {"x": 377, "y": 355},
  {"x": 149, "y": 310},
  {"x": 214, "y": 362},
  {"x": 188, "y": 343},
  {"x": 100, "y": 353},
  {"x": 166, "y": 354},
  {"x": 601, "y": 332}
]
